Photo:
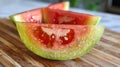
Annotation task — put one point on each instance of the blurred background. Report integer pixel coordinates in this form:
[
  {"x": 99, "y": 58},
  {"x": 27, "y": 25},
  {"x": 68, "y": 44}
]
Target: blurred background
[
  {"x": 109, "y": 10},
  {"x": 111, "y": 6}
]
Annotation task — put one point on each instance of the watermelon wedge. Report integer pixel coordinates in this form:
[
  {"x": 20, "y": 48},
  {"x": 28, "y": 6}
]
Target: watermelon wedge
[
  {"x": 54, "y": 16},
  {"x": 58, "y": 41},
  {"x": 35, "y": 15},
  {"x": 60, "y": 6}
]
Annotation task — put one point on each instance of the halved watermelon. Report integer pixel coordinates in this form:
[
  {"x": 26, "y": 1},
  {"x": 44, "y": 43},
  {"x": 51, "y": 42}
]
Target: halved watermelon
[
  {"x": 54, "y": 16},
  {"x": 35, "y": 15},
  {"x": 57, "y": 41}
]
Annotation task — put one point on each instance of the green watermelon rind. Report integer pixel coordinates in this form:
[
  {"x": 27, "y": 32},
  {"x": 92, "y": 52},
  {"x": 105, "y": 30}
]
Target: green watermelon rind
[
  {"x": 16, "y": 18},
  {"x": 66, "y": 54},
  {"x": 94, "y": 20},
  {"x": 98, "y": 20}
]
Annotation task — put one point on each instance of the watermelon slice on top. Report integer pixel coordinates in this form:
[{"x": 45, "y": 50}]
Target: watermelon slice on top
[
  {"x": 35, "y": 15},
  {"x": 54, "y": 16}
]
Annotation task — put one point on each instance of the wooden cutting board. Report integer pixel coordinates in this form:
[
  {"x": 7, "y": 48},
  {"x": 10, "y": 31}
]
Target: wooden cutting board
[{"x": 13, "y": 53}]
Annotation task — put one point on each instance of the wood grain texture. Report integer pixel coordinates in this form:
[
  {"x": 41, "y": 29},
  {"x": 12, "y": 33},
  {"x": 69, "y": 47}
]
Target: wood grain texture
[{"x": 13, "y": 53}]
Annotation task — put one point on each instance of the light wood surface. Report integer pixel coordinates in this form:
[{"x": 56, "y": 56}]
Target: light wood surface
[{"x": 13, "y": 53}]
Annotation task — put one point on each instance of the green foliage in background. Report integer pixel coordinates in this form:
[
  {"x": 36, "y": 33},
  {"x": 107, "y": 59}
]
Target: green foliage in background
[
  {"x": 74, "y": 3},
  {"x": 88, "y": 4}
]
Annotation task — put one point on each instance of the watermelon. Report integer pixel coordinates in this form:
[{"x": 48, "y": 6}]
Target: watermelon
[
  {"x": 35, "y": 15},
  {"x": 54, "y": 16},
  {"x": 59, "y": 41},
  {"x": 60, "y": 6}
]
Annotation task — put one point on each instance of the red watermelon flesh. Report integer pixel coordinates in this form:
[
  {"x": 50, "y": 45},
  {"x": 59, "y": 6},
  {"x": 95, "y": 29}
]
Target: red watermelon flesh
[
  {"x": 54, "y": 16},
  {"x": 35, "y": 15},
  {"x": 57, "y": 41},
  {"x": 57, "y": 36},
  {"x": 32, "y": 15}
]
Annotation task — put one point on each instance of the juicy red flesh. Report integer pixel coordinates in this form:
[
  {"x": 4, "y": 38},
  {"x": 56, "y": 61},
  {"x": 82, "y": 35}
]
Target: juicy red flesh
[
  {"x": 32, "y": 16},
  {"x": 43, "y": 37},
  {"x": 69, "y": 19},
  {"x": 65, "y": 17},
  {"x": 49, "y": 39},
  {"x": 68, "y": 37}
]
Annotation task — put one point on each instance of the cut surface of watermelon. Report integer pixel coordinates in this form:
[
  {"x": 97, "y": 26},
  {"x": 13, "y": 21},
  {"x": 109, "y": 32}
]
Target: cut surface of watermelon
[
  {"x": 54, "y": 16},
  {"x": 59, "y": 42},
  {"x": 35, "y": 15}
]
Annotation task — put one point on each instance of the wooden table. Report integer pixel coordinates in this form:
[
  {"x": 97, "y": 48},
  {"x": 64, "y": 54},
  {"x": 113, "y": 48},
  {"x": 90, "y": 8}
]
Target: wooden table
[{"x": 13, "y": 53}]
